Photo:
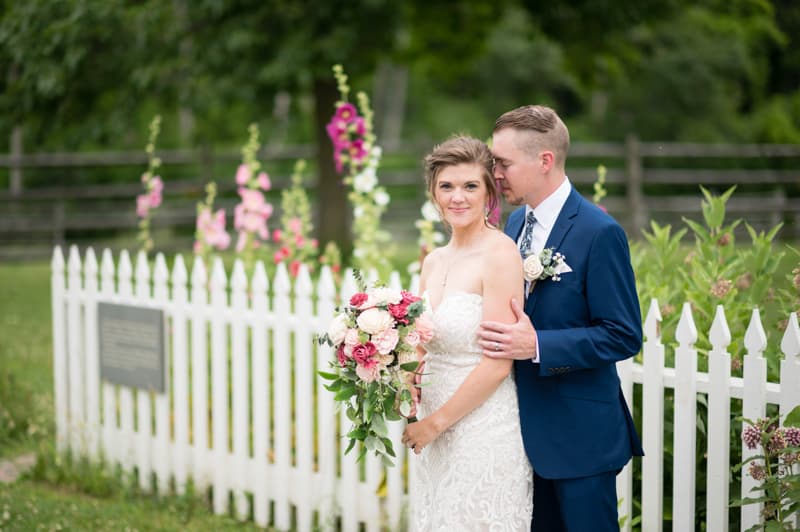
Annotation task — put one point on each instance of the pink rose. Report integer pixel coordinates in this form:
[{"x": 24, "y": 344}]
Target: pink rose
[
  {"x": 351, "y": 338},
  {"x": 412, "y": 338},
  {"x": 364, "y": 354},
  {"x": 424, "y": 327},
  {"x": 386, "y": 341},
  {"x": 358, "y": 299},
  {"x": 341, "y": 356},
  {"x": 399, "y": 312},
  {"x": 368, "y": 374}
]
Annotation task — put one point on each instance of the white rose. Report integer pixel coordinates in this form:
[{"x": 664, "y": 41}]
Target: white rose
[
  {"x": 386, "y": 295},
  {"x": 532, "y": 268},
  {"x": 374, "y": 320},
  {"x": 337, "y": 329}
]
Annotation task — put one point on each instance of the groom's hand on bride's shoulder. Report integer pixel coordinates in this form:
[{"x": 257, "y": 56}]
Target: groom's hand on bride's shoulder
[{"x": 516, "y": 340}]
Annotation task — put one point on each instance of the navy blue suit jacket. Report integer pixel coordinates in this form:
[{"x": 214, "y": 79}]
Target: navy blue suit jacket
[{"x": 575, "y": 421}]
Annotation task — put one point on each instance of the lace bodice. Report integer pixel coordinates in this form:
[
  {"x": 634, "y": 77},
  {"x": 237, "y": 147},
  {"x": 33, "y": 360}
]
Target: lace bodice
[{"x": 475, "y": 475}]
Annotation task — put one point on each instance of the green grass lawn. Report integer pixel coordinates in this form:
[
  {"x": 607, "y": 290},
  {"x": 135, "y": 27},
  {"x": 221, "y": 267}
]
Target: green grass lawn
[{"x": 26, "y": 392}]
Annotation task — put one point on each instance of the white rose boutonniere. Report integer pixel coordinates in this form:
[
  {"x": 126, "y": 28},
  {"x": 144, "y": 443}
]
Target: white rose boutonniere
[{"x": 547, "y": 264}]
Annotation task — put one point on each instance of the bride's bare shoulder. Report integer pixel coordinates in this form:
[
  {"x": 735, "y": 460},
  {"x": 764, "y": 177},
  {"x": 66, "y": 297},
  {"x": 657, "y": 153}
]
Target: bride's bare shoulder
[{"x": 499, "y": 246}]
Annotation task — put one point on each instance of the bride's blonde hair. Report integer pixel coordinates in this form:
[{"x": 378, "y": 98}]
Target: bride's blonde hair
[{"x": 461, "y": 149}]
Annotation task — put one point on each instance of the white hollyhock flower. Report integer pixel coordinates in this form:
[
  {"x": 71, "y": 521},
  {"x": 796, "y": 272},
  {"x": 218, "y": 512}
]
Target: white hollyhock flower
[{"x": 429, "y": 212}]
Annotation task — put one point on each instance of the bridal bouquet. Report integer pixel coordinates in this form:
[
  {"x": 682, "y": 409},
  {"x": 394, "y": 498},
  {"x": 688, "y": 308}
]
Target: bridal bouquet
[{"x": 375, "y": 336}]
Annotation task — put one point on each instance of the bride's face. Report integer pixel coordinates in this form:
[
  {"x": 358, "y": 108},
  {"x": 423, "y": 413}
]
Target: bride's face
[{"x": 461, "y": 194}]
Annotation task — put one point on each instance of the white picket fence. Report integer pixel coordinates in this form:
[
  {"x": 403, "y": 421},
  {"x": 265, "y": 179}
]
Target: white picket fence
[{"x": 245, "y": 414}]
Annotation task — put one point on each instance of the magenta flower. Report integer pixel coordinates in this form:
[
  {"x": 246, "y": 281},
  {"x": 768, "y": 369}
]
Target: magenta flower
[{"x": 346, "y": 112}]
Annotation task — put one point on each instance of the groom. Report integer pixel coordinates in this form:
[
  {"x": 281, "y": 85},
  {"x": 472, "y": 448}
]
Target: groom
[{"x": 577, "y": 429}]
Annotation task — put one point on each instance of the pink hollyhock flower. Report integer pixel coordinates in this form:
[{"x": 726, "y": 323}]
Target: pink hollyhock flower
[
  {"x": 386, "y": 341},
  {"x": 241, "y": 242},
  {"x": 357, "y": 151},
  {"x": 142, "y": 205},
  {"x": 424, "y": 327},
  {"x": 278, "y": 256},
  {"x": 314, "y": 243},
  {"x": 299, "y": 241},
  {"x": 294, "y": 268},
  {"x": 277, "y": 235},
  {"x": 368, "y": 374},
  {"x": 359, "y": 126},
  {"x": 263, "y": 181},
  {"x": 346, "y": 112},
  {"x": 243, "y": 174},
  {"x": 338, "y": 162},
  {"x": 212, "y": 228},
  {"x": 295, "y": 225},
  {"x": 156, "y": 185}
]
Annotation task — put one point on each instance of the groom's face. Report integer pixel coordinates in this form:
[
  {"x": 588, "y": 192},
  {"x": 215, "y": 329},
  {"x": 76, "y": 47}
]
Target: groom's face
[{"x": 517, "y": 173}]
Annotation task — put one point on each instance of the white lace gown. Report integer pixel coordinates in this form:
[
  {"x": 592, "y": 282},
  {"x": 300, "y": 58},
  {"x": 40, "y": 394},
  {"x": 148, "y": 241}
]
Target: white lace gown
[{"x": 475, "y": 476}]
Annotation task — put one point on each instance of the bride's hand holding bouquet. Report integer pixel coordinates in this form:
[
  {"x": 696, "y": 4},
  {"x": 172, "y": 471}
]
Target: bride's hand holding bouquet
[{"x": 375, "y": 337}]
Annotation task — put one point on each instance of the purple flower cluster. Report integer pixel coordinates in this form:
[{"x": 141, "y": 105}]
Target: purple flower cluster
[
  {"x": 347, "y": 131},
  {"x": 751, "y": 436}
]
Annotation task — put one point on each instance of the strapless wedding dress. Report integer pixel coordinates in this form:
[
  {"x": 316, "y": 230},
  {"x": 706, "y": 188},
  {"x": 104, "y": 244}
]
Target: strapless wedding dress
[{"x": 475, "y": 476}]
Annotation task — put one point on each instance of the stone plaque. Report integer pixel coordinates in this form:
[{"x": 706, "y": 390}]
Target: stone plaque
[{"x": 131, "y": 346}]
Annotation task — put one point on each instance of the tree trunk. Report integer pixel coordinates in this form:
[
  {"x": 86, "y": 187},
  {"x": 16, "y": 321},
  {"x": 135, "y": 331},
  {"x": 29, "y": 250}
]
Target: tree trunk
[{"x": 333, "y": 210}]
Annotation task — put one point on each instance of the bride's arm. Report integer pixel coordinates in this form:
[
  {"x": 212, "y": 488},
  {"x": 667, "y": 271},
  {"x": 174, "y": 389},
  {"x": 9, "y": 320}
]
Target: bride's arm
[{"x": 483, "y": 380}]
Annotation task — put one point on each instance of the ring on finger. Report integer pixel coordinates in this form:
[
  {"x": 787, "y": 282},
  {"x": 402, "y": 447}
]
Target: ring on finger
[{"x": 497, "y": 346}]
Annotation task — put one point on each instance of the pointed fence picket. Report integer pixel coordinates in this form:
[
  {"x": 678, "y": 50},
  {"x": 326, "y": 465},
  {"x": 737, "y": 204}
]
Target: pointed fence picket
[{"x": 245, "y": 414}]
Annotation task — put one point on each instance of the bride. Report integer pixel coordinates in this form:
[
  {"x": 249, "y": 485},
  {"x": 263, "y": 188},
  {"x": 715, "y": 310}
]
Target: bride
[{"x": 472, "y": 473}]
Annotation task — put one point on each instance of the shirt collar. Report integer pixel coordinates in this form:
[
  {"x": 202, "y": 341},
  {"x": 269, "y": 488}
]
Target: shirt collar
[{"x": 548, "y": 210}]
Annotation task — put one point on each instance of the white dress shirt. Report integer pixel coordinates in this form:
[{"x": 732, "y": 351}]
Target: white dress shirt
[{"x": 546, "y": 214}]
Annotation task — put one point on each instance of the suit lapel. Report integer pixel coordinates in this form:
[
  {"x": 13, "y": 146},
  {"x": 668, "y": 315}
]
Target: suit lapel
[
  {"x": 515, "y": 223},
  {"x": 564, "y": 222}
]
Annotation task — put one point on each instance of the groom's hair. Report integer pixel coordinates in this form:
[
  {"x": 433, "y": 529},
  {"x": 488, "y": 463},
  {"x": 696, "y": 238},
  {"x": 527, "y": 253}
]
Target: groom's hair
[
  {"x": 460, "y": 149},
  {"x": 547, "y": 129}
]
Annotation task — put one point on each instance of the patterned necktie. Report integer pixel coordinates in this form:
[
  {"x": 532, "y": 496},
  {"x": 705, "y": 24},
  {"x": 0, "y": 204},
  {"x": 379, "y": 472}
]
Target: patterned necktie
[{"x": 527, "y": 235}]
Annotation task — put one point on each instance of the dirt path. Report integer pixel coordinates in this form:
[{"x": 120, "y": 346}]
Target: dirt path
[{"x": 11, "y": 469}]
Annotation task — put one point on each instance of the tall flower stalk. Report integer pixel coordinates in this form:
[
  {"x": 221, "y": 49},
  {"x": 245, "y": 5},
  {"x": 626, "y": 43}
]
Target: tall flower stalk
[
  {"x": 251, "y": 214},
  {"x": 429, "y": 235},
  {"x": 296, "y": 245},
  {"x": 153, "y": 187},
  {"x": 599, "y": 187},
  {"x": 357, "y": 157},
  {"x": 210, "y": 228}
]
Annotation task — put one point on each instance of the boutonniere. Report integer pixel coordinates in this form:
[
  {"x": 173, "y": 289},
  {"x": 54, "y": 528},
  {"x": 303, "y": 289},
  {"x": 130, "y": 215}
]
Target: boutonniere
[{"x": 547, "y": 264}]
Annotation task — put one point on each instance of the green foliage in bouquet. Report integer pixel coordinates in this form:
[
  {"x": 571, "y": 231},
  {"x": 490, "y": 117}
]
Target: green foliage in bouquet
[{"x": 375, "y": 337}]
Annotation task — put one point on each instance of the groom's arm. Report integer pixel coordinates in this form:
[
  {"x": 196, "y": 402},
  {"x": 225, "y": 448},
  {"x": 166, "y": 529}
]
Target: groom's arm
[{"x": 614, "y": 328}]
